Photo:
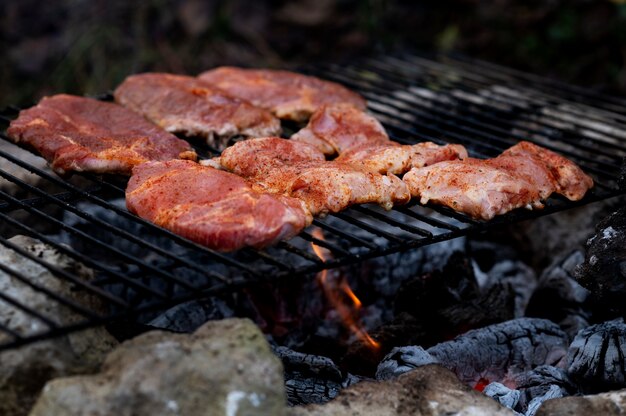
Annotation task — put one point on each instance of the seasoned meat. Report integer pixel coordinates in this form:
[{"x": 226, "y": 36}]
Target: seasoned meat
[
  {"x": 360, "y": 140},
  {"x": 522, "y": 176},
  {"x": 472, "y": 186},
  {"x": 186, "y": 105},
  {"x": 83, "y": 134},
  {"x": 571, "y": 181},
  {"x": 334, "y": 128},
  {"x": 287, "y": 94},
  {"x": 297, "y": 169},
  {"x": 212, "y": 207},
  {"x": 392, "y": 157}
]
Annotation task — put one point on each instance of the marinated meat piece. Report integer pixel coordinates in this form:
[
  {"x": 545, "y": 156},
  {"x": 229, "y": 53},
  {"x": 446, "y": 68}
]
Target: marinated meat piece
[
  {"x": 297, "y": 169},
  {"x": 392, "y": 157},
  {"x": 571, "y": 181},
  {"x": 472, "y": 186},
  {"x": 521, "y": 176},
  {"x": 336, "y": 128},
  {"x": 287, "y": 94},
  {"x": 212, "y": 207},
  {"x": 82, "y": 134},
  {"x": 186, "y": 105}
]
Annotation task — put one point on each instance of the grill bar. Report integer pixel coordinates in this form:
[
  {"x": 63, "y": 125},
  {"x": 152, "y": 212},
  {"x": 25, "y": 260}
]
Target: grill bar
[{"x": 446, "y": 99}]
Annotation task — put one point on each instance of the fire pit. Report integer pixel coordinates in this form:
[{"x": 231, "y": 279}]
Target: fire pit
[{"x": 142, "y": 276}]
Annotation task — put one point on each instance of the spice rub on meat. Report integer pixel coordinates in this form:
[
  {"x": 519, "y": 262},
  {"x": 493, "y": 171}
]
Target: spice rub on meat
[
  {"x": 522, "y": 176},
  {"x": 299, "y": 170},
  {"x": 359, "y": 139},
  {"x": 182, "y": 104},
  {"x": 82, "y": 134},
  {"x": 334, "y": 128},
  {"x": 214, "y": 208},
  {"x": 287, "y": 95}
]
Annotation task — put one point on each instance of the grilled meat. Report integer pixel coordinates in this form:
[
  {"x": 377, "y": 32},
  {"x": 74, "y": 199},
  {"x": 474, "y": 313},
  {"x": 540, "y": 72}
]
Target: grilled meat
[
  {"x": 571, "y": 181},
  {"x": 287, "y": 94},
  {"x": 335, "y": 128},
  {"x": 360, "y": 140},
  {"x": 83, "y": 134},
  {"x": 182, "y": 104},
  {"x": 212, "y": 207},
  {"x": 522, "y": 176},
  {"x": 297, "y": 169},
  {"x": 392, "y": 157}
]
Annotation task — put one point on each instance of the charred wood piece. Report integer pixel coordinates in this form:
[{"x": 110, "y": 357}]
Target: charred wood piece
[
  {"x": 596, "y": 359},
  {"x": 401, "y": 360},
  {"x": 189, "y": 316},
  {"x": 449, "y": 301},
  {"x": 604, "y": 269},
  {"x": 502, "y": 394},
  {"x": 493, "y": 353},
  {"x": 497, "y": 351},
  {"x": 540, "y": 384},
  {"x": 310, "y": 378},
  {"x": 560, "y": 298}
]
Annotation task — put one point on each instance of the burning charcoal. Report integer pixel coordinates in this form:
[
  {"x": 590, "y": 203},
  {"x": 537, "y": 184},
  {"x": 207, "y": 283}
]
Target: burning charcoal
[
  {"x": 189, "y": 316},
  {"x": 502, "y": 394},
  {"x": 224, "y": 367},
  {"x": 515, "y": 279},
  {"x": 554, "y": 392},
  {"x": 497, "y": 351},
  {"x": 538, "y": 385},
  {"x": 450, "y": 301},
  {"x": 560, "y": 298},
  {"x": 596, "y": 357},
  {"x": 428, "y": 390},
  {"x": 25, "y": 370},
  {"x": 605, "y": 404},
  {"x": 404, "y": 329},
  {"x": 401, "y": 360},
  {"x": 310, "y": 378},
  {"x": 604, "y": 269}
]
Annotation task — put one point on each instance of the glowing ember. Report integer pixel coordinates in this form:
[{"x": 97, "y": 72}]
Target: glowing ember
[{"x": 341, "y": 296}]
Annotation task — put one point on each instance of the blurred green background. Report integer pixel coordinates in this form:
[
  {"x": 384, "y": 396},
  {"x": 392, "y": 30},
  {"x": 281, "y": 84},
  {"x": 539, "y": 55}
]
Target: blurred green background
[{"x": 88, "y": 46}]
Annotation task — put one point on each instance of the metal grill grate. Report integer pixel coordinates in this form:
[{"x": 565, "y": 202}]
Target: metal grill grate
[{"x": 140, "y": 267}]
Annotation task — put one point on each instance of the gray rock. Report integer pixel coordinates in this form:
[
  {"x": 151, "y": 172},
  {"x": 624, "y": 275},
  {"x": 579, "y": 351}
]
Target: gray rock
[
  {"x": 226, "y": 367},
  {"x": 612, "y": 403},
  {"x": 24, "y": 371},
  {"x": 425, "y": 391}
]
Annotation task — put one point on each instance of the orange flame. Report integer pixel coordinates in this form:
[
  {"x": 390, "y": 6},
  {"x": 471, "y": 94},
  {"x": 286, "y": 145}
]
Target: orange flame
[{"x": 341, "y": 297}]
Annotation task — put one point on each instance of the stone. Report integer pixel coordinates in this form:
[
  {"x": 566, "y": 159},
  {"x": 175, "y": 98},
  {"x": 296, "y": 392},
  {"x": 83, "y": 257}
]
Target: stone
[
  {"x": 612, "y": 403},
  {"x": 425, "y": 391},
  {"x": 225, "y": 367},
  {"x": 25, "y": 370}
]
